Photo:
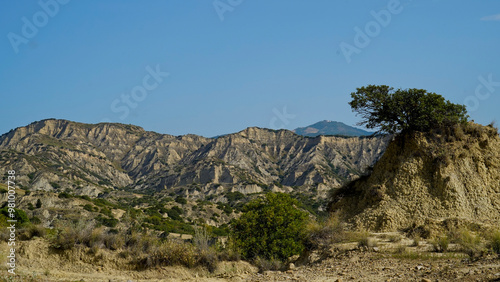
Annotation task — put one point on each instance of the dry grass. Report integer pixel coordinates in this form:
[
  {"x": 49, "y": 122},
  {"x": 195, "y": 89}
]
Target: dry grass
[
  {"x": 470, "y": 244},
  {"x": 400, "y": 249},
  {"x": 168, "y": 253},
  {"x": 364, "y": 240},
  {"x": 229, "y": 252},
  {"x": 176, "y": 253},
  {"x": 113, "y": 241},
  {"x": 410, "y": 255},
  {"x": 323, "y": 234},
  {"x": 416, "y": 241},
  {"x": 394, "y": 238},
  {"x": 440, "y": 244},
  {"x": 201, "y": 239},
  {"x": 494, "y": 242},
  {"x": 265, "y": 264},
  {"x": 144, "y": 250},
  {"x": 420, "y": 231},
  {"x": 30, "y": 231}
]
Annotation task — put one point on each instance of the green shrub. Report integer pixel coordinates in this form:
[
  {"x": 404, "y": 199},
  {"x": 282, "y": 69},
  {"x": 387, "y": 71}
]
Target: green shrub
[
  {"x": 18, "y": 215},
  {"x": 222, "y": 230},
  {"x": 64, "y": 195},
  {"x": 177, "y": 209},
  {"x": 107, "y": 221},
  {"x": 155, "y": 220},
  {"x": 35, "y": 220},
  {"x": 232, "y": 197},
  {"x": 228, "y": 209},
  {"x": 270, "y": 228},
  {"x": 181, "y": 200},
  {"x": 31, "y": 175},
  {"x": 102, "y": 202},
  {"x": 107, "y": 212},
  {"x": 38, "y": 204},
  {"x": 88, "y": 207},
  {"x": 174, "y": 214},
  {"x": 85, "y": 197}
]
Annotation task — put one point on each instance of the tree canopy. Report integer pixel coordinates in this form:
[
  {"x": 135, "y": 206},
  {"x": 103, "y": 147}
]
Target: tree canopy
[
  {"x": 271, "y": 228},
  {"x": 394, "y": 111}
]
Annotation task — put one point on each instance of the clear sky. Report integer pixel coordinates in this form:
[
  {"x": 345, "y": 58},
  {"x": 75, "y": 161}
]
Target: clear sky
[{"x": 216, "y": 67}]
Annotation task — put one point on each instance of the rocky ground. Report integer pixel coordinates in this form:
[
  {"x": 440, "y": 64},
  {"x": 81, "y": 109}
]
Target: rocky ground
[
  {"x": 388, "y": 258},
  {"x": 371, "y": 266}
]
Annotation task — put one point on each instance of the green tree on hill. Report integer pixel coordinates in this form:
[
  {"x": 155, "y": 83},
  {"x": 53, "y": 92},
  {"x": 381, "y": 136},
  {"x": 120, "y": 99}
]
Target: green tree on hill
[{"x": 401, "y": 110}]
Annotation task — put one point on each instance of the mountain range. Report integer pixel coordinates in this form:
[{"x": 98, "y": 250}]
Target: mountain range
[
  {"x": 97, "y": 159},
  {"x": 328, "y": 127}
]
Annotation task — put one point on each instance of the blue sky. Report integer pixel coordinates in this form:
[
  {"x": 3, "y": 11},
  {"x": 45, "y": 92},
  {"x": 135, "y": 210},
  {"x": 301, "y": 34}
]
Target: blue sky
[{"x": 215, "y": 67}]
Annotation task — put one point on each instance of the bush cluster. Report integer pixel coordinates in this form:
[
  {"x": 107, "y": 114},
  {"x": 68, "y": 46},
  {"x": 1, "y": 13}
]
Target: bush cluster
[{"x": 270, "y": 228}]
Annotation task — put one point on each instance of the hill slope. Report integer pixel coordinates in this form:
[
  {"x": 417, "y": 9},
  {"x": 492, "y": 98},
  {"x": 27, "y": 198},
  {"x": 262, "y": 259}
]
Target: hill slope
[
  {"x": 54, "y": 155},
  {"x": 428, "y": 178},
  {"x": 327, "y": 127}
]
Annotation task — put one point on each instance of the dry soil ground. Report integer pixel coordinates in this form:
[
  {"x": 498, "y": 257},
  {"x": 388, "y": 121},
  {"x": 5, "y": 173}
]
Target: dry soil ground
[{"x": 390, "y": 260}]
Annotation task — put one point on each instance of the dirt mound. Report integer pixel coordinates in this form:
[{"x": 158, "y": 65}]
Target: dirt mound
[{"x": 449, "y": 175}]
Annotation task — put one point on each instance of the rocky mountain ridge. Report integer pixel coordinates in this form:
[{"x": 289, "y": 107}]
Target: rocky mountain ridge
[{"x": 87, "y": 159}]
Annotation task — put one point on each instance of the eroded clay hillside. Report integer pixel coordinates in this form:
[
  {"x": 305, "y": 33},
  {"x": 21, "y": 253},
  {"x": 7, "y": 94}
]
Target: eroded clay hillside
[
  {"x": 430, "y": 179},
  {"x": 54, "y": 155}
]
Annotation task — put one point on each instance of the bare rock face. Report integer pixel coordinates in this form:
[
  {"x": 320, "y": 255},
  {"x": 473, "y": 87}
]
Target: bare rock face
[
  {"x": 87, "y": 159},
  {"x": 428, "y": 178}
]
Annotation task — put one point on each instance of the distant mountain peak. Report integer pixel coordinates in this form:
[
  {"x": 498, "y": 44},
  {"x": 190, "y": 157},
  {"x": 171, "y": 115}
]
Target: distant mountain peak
[{"x": 328, "y": 127}]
